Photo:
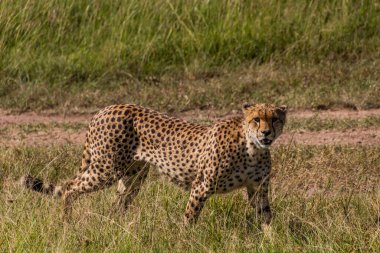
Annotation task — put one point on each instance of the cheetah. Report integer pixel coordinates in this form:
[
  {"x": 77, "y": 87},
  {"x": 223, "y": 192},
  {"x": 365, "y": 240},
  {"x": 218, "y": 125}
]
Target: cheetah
[{"x": 123, "y": 140}]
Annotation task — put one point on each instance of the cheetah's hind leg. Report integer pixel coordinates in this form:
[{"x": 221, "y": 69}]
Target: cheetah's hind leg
[
  {"x": 92, "y": 179},
  {"x": 130, "y": 185}
]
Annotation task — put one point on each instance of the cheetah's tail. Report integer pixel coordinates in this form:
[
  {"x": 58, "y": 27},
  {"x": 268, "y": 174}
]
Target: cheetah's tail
[{"x": 38, "y": 185}]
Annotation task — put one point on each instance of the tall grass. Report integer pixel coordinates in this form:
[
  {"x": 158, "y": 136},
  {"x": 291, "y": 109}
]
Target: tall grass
[
  {"x": 66, "y": 43},
  {"x": 325, "y": 199}
]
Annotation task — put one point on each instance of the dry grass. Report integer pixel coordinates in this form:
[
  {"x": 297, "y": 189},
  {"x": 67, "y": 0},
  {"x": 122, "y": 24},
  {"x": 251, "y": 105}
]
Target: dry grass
[
  {"x": 315, "y": 123},
  {"x": 298, "y": 85},
  {"x": 326, "y": 199}
]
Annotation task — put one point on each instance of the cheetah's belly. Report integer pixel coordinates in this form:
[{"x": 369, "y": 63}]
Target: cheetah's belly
[
  {"x": 175, "y": 169},
  {"x": 230, "y": 179},
  {"x": 238, "y": 175}
]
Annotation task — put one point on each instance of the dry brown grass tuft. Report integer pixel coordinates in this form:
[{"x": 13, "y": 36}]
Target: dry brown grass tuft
[{"x": 326, "y": 199}]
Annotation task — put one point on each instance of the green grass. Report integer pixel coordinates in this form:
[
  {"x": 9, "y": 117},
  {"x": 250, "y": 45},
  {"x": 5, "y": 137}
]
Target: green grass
[
  {"x": 177, "y": 55},
  {"x": 74, "y": 41},
  {"x": 326, "y": 199}
]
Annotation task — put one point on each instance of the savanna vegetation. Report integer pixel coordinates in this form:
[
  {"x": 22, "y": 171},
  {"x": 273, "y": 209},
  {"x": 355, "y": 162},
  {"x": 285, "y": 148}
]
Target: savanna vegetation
[
  {"x": 171, "y": 55},
  {"x": 325, "y": 200},
  {"x": 178, "y": 55}
]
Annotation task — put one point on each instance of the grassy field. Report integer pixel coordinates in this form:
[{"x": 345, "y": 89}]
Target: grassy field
[
  {"x": 171, "y": 55},
  {"x": 326, "y": 199},
  {"x": 293, "y": 124},
  {"x": 178, "y": 55}
]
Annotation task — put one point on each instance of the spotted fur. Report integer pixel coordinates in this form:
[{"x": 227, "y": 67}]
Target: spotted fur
[{"x": 123, "y": 140}]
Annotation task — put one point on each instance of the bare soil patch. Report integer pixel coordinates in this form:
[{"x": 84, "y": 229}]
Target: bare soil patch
[
  {"x": 302, "y": 114},
  {"x": 56, "y": 135},
  {"x": 191, "y": 115},
  {"x": 335, "y": 114},
  {"x": 358, "y": 136},
  {"x": 52, "y": 136},
  {"x": 33, "y": 118}
]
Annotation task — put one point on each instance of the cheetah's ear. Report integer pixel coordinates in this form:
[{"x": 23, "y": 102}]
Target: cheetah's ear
[
  {"x": 247, "y": 106},
  {"x": 283, "y": 108}
]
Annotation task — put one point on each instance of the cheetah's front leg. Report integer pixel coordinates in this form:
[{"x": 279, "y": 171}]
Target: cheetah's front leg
[
  {"x": 198, "y": 196},
  {"x": 258, "y": 198}
]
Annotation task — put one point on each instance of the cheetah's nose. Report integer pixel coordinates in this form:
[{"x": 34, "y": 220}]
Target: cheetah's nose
[{"x": 266, "y": 132}]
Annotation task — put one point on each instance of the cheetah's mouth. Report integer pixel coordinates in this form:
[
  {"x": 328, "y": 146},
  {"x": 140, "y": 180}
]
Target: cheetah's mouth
[
  {"x": 262, "y": 142},
  {"x": 266, "y": 141}
]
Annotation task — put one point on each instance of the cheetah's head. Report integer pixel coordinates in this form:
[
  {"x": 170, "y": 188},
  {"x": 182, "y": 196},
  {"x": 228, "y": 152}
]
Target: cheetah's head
[{"x": 264, "y": 122}]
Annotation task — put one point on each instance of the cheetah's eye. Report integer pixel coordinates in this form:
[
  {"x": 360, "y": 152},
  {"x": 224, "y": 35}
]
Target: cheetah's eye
[
  {"x": 274, "y": 119},
  {"x": 257, "y": 119}
]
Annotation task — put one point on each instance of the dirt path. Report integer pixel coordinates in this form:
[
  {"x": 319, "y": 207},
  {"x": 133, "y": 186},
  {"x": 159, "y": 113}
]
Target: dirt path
[
  {"x": 56, "y": 135},
  {"x": 32, "y": 117},
  {"x": 323, "y": 114},
  {"x": 359, "y": 136}
]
